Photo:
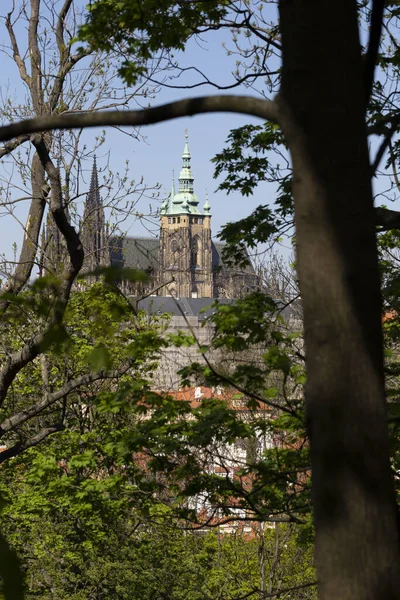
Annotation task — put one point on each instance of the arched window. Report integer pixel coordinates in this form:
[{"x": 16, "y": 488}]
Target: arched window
[
  {"x": 174, "y": 245},
  {"x": 195, "y": 253},
  {"x": 173, "y": 256}
]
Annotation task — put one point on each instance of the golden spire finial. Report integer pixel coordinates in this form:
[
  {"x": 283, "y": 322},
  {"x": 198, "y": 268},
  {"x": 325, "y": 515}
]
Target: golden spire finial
[{"x": 186, "y": 133}]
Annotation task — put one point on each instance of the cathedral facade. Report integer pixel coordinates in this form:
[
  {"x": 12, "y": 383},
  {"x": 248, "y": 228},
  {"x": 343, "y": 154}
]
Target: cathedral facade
[
  {"x": 184, "y": 261},
  {"x": 185, "y": 239}
]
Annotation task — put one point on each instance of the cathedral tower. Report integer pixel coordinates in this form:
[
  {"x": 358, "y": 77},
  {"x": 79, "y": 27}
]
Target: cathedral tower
[
  {"x": 185, "y": 239},
  {"x": 54, "y": 254},
  {"x": 93, "y": 230}
]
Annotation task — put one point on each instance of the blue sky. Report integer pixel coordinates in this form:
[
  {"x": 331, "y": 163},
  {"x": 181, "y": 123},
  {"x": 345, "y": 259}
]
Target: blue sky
[{"x": 160, "y": 154}]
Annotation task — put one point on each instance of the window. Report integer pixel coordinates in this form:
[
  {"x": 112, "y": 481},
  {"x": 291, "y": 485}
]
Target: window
[
  {"x": 195, "y": 253},
  {"x": 178, "y": 220},
  {"x": 174, "y": 245},
  {"x": 201, "y": 221},
  {"x": 173, "y": 220},
  {"x": 196, "y": 220},
  {"x": 239, "y": 402},
  {"x": 169, "y": 219}
]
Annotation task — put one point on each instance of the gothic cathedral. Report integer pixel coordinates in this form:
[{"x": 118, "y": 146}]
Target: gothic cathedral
[{"x": 183, "y": 262}]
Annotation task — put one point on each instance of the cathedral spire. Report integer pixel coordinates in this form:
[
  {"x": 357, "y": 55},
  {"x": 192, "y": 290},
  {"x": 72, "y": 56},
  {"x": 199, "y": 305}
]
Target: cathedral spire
[
  {"x": 186, "y": 178},
  {"x": 93, "y": 198},
  {"x": 94, "y": 235},
  {"x": 184, "y": 201},
  {"x": 206, "y": 207}
]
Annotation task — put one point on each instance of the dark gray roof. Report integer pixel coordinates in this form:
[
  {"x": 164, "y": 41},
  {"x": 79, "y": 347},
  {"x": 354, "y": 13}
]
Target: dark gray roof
[
  {"x": 290, "y": 310},
  {"x": 189, "y": 307},
  {"x": 202, "y": 307},
  {"x": 217, "y": 259},
  {"x": 143, "y": 253},
  {"x": 136, "y": 253}
]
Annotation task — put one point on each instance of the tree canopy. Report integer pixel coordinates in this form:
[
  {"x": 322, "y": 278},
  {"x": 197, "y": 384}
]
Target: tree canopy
[{"x": 326, "y": 85}]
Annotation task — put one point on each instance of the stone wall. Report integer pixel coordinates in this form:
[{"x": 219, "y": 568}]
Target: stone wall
[{"x": 173, "y": 358}]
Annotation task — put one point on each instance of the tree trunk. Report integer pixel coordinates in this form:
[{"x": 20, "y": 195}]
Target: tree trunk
[
  {"x": 322, "y": 105},
  {"x": 28, "y": 254}
]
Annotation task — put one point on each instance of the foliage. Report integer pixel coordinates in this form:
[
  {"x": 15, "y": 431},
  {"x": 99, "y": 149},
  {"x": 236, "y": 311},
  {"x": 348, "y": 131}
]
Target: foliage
[
  {"x": 105, "y": 493},
  {"x": 245, "y": 163},
  {"x": 190, "y": 448},
  {"x": 86, "y": 524},
  {"x": 101, "y": 338},
  {"x": 142, "y": 29},
  {"x": 179, "y": 442}
]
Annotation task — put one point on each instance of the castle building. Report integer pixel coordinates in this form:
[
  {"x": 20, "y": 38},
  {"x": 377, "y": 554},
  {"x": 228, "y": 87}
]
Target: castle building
[
  {"x": 182, "y": 263},
  {"x": 185, "y": 268}
]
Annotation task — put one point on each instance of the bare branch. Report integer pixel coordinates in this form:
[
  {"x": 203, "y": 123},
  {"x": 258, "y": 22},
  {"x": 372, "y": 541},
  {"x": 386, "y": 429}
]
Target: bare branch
[
  {"x": 384, "y": 145},
  {"x": 16, "y": 54},
  {"x": 62, "y": 49},
  {"x": 387, "y": 219},
  {"x": 11, "y": 146},
  {"x": 206, "y": 81},
  {"x": 65, "y": 68},
  {"x": 262, "y": 594},
  {"x": 265, "y": 109},
  {"x": 32, "y": 231},
  {"x": 378, "y": 7},
  {"x": 34, "y": 441},
  {"x": 33, "y": 348},
  {"x": 74, "y": 245},
  {"x": 36, "y": 59},
  {"x": 50, "y": 399}
]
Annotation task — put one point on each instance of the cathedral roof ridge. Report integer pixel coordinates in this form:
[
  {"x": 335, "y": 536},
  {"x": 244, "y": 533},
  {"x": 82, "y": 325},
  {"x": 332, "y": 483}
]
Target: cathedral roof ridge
[{"x": 140, "y": 237}]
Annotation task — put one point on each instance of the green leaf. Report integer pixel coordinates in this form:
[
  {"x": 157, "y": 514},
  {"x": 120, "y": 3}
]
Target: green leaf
[{"x": 100, "y": 359}]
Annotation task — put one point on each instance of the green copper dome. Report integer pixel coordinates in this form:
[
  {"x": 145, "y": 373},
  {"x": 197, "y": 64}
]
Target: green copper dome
[
  {"x": 185, "y": 200},
  {"x": 164, "y": 207}
]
